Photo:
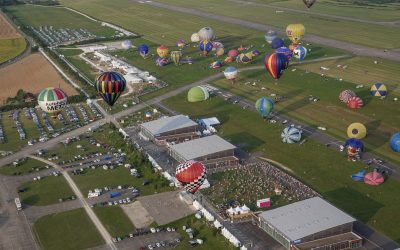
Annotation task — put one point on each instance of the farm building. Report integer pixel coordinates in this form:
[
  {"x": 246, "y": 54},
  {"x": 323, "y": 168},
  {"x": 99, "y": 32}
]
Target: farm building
[
  {"x": 310, "y": 224},
  {"x": 212, "y": 151},
  {"x": 170, "y": 129}
]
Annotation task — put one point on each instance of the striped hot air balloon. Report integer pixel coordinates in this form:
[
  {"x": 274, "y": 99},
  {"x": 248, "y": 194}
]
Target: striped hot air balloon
[
  {"x": 230, "y": 73},
  {"x": 110, "y": 85},
  {"x": 264, "y": 106},
  {"x": 355, "y": 102},
  {"x": 215, "y": 65},
  {"x": 176, "y": 57},
  {"x": 205, "y": 47},
  {"x": 345, "y": 95},
  {"x": 52, "y": 100},
  {"x": 160, "y": 61},
  {"x": 286, "y": 51},
  {"x": 378, "y": 89},
  {"x": 275, "y": 64},
  {"x": 291, "y": 135},
  {"x": 191, "y": 175}
]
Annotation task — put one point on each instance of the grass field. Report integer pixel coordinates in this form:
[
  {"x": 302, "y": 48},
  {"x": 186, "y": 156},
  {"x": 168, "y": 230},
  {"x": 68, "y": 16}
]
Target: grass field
[
  {"x": 380, "y": 117},
  {"x": 26, "y": 167},
  {"x": 354, "y": 32},
  {"x": 115, "y": 220},
  {"x": 35, "y": 15},
  {"x": 10, "y": 48},
  {"x": 212, "y": 239},
  {"x": 71, "y": 230},
  {"x": 45, "y": 191},
  {"x": 318, "y": 166}
]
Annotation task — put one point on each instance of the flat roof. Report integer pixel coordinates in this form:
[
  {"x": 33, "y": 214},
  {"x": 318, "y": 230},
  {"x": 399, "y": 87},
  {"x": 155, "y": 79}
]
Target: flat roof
[
  {"x": 304, "y": 218},
  {"x": 168, "y": 124},
  {"x": 201, "y": 147}
]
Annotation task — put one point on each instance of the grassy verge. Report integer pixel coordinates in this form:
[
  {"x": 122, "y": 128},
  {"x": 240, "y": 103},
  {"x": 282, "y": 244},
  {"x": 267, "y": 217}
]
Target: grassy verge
[
  {"x": 26, "y": 167},
  {"x": 10, "y": 48},
  {"x": 115, "y": 220}
]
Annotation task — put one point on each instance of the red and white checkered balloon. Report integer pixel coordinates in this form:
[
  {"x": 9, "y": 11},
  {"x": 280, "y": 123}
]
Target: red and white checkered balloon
[{"x": 191, "y": 175}]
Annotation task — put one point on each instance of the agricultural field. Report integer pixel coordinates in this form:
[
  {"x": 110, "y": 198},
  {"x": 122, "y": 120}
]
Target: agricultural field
[
  {"x": 11, "y": 42},
  {"x": 321, "y": 168},
  {"x": 36, "y": 16},
  {"x": 354, "y": 32},
  {"x": 115, "y": 220},
  {"x": 69, "y": 230},
  {"x": 212, "y": 239},
  {"x": 25, "y": 166},
  {"x": 46, "y": 191},
  {"x": 32, "y": 74},
  {"x": 379, "y": 116}
]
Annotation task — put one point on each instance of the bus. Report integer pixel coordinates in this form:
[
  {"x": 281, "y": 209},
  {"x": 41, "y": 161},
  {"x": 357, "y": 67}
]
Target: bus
[{"x": 18, "y": 204}]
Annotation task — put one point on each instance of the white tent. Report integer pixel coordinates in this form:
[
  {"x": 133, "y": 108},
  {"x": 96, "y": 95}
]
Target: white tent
[
  {"x": 197, "y": 205},
  {"x": 217, "y": 224},
  {"x": 230, "y": 211},
  {"x": 245, "y": 209}
]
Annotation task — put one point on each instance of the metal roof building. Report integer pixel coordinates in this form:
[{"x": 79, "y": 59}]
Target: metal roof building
[
  {"x": 205, "y": 149},
  {"x": 308, "y": 220}
]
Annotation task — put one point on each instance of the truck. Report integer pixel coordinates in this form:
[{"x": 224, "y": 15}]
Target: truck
[
  {"x": 114, "y": 194},
  {"x": 18, "y": 204},
  {"x": 93, "y": 128}
]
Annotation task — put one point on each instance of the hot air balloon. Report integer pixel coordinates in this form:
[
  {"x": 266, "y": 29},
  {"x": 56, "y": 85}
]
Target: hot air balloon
[
  {"x": 233, "y": 53},
  {"x": 217, "y": 45},
  {"x": 309, "y": 3},
  {"x": 230, "y": 73},
  {"x": 291, "y": 135},
  {"x": 143, "y": 50},
  {"x": 176, "y": 56},
  {"x": 110, "y": 85},
  {"x": 197, "y": 94},
  {"x": 215, "y": 65},
  {"x": 255, "y": 52},
  {"x": 354, "y": 147},
  {"x": 228, "y": 59},
  {"x": 160, "y": 61},
  {"x": 395, "y": 142},
  {"x": 357, "y": 130},
  {"x": 244, "y": 58},
  {"x": 264, "y": 106},
  {"x": 292, "y": 46},
  {"x": 52, "y": 100},
  {"x": 219, "y": 51},
  {"x": 277, "y": 43},
  {"x": 162, "y": 51},
  {"x": 270, "y": 36},
  {"x": 300, "y": 52},
  {"x": 195, "y": 38},
  {"x": 378, "y": 89},
  {"x": 355, "y": 102},
  {"x": 126, "y": 44},
  {"x": 295, "y": 32},
  {"x": 286, "y": 51},
  {"x": 275, "y": 64},
  {"x": 187, "y": 60},
  {"x": 345, "y": 95},
  {"x": 206, "y": 47},
  {"x": 180, "y": 43},
  {"x": 374, "y": 178},
  {"x": 206, "y": 34},
  {"x": 191, "y": 175}
]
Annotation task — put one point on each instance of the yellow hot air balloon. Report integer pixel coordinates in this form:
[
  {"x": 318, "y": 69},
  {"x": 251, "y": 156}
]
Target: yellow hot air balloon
[
  {"x": 357, "y": 130},
  {"x": 162, "y": 51},
  {"x": 295, "y": 32}
]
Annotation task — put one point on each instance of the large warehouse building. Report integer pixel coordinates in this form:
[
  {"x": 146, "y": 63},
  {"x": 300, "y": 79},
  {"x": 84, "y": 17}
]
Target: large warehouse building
[
  {"x": 170, "y": 129},
  {"x": 312, "y": 224},
  {"x": 212, "y": 151}
]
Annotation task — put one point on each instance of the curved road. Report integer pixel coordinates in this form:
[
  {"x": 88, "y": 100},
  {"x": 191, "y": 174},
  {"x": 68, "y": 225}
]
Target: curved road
[{"x": 355, "y": 49}]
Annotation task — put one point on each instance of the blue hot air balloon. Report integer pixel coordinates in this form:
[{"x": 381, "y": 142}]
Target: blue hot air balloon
[
  {"x": 277, "y": 43},
  {"x": 291, "y": 135},
  {"x": 395, "y": 142},
  {"x": 270, "y": 36},
  {"x": 300, "y": 52},
  {"x": 206, "y": 47},
  {"x": 264, "y": 106},
  {"x": 355, "y": 143},
  {"x": 143, "y": 50},
  {"x": 286, "y": 51}
]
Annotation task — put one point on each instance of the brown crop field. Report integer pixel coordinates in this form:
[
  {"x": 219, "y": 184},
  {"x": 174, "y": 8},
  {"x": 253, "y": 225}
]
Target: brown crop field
[
  {"x": 7, "y": 31},
  {"x": 31, "y": 74}
]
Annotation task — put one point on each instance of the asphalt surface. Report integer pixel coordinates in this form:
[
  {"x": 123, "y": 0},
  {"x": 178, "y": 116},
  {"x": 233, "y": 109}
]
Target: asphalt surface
[{"x": 355, "y": 49}]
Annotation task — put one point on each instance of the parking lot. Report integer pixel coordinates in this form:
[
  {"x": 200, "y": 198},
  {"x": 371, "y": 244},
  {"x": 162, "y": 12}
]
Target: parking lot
[{"x": 169, "y": 238}]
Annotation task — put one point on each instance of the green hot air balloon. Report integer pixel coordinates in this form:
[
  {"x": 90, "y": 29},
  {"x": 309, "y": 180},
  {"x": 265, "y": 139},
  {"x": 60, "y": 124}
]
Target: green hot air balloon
[
  {"x": 197, "y": 94},
  {"x": 264, "y": 106}
]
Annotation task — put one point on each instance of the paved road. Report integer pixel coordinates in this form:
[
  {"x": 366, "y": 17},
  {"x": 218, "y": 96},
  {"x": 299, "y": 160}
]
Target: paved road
[
  {"x": 103, "y": 231},
  {"x": 313, "y": 13},
  {"x": 355, "y": 49}
]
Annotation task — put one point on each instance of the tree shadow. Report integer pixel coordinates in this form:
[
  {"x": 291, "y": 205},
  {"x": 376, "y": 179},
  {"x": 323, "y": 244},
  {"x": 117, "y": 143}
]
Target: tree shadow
[
  {"x": 375, "y": 136},
  {"x": 353, "y": 202},
  {"x": 365, "y": 95},
  {"x": 251, "y": 142},
  {"x": 31, "y": 200},
  {"x": 295, "y": 105}
]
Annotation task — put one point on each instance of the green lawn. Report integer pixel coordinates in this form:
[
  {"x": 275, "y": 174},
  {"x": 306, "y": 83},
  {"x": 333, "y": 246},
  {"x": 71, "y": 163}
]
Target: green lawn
[
  {"x": 380, "y": 117},
  {"x": 45, "y": 191},
  {"x": 212, "y": 239},
  {"x": 325, "y": 170},
  {"x": 10, "y": 48},
  {"x": 30, "y": 15},
  {"x": 26, "y": 167},
  {"x": 71, "y": 230},
  {"x": 115, "y": 220},
  {"x": 354, "y": 32}
]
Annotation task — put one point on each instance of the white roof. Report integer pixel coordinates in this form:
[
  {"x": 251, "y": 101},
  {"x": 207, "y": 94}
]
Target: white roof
[
  {"x": 201, "y": 147},
  {"x": 303, "y": 218},
  {"x": 167, "y": 124},
  {"x": 210, "y": 121}
]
